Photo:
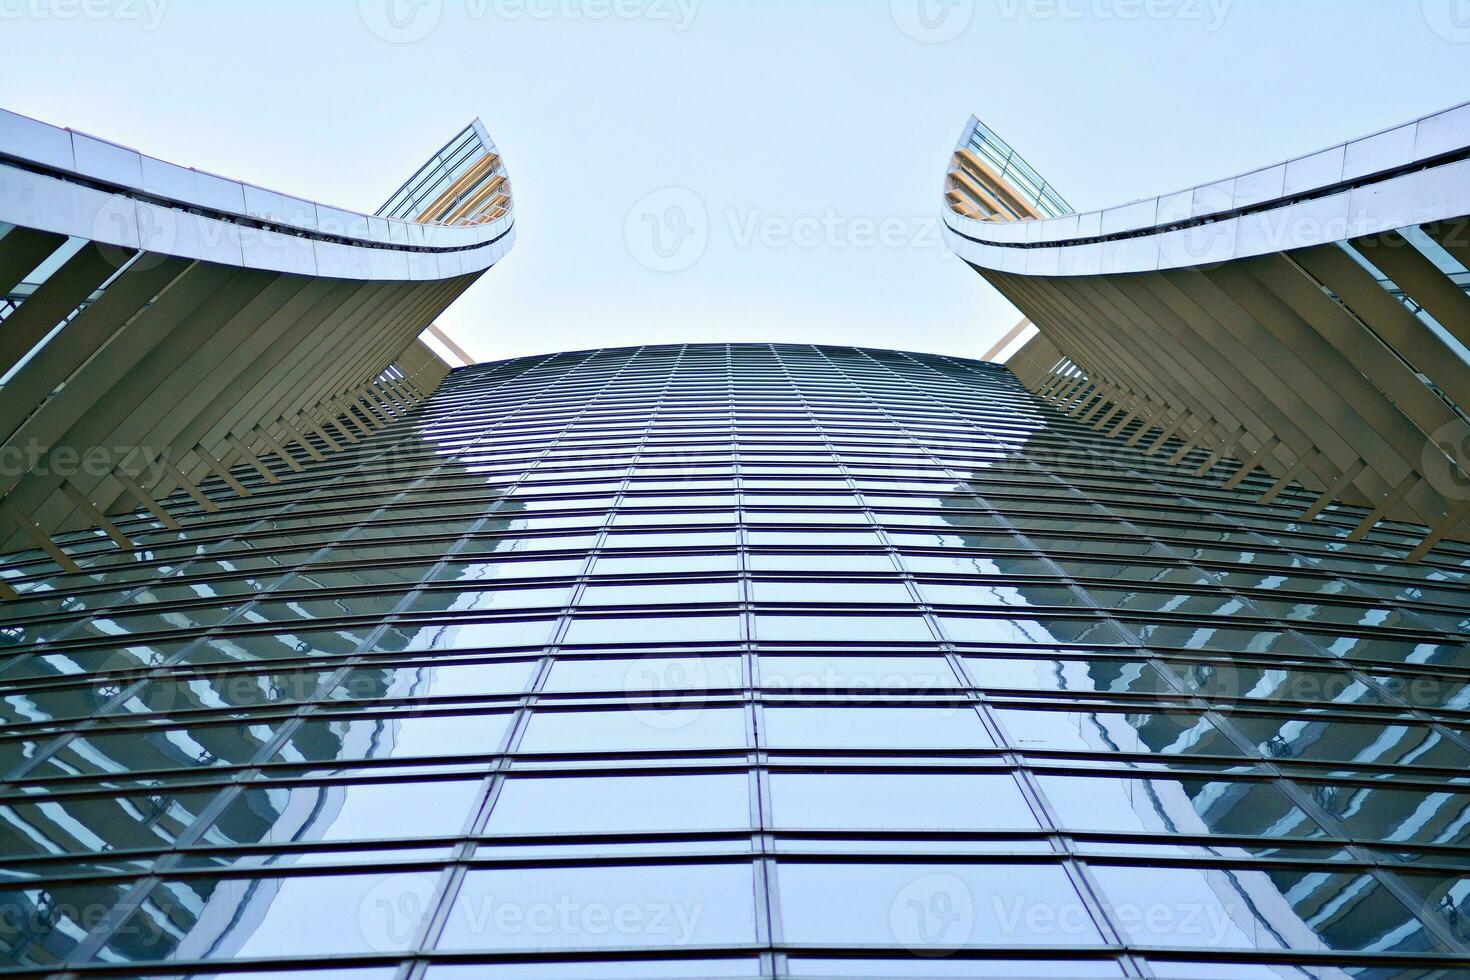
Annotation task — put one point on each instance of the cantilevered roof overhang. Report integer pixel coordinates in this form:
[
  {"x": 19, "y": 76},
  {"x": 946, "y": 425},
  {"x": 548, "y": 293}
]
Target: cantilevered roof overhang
[
  {"x": 168, "y": 324},
  {"x": 1305, "y": 323}
]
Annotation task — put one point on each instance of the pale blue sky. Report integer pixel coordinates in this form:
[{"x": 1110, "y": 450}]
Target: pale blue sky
[{"x": 812, "y": 133}]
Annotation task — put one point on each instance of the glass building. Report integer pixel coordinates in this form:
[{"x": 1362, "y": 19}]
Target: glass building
[{"x": 738, "y": 661}]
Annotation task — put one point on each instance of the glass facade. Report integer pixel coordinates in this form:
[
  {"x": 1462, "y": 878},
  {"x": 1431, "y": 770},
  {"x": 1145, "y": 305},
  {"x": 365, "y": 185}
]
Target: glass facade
[{"x": 738, "y": 661}]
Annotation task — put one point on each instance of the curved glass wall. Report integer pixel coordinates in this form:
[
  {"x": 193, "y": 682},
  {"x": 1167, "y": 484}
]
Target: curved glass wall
[{"x": 737, "y": 661}]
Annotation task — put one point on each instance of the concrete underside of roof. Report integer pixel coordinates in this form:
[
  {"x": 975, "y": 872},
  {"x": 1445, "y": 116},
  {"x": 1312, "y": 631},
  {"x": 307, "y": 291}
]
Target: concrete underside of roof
[
  {"x": 1298, "y": 364},
  {"x": 180, "y": 370}
]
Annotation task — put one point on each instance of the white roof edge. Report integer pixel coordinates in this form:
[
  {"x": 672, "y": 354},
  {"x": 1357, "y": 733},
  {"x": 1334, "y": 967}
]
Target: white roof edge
[
  {"x": 1420, "y": 196},
  {"x": 87, "y": 157},
  {"x": 1387, "y": 149}
]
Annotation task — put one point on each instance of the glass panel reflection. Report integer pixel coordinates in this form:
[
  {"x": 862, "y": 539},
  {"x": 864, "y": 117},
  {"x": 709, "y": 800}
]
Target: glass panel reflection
[
  {"x": 236, "y": 918},
  {"x": 911, "y": 801},
  {"x": 599, "y": 907},
  {"x": 618, "y": 804},
  {"x": 623, "y": 678},
  {"x": 1195, "y": 807},
  {"x": 933, "y": 907},
  {"x": 1277, "y": 909}
]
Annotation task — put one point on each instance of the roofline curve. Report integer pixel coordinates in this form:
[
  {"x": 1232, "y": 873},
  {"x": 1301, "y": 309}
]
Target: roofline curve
[
  {"x": 67, "y": 182},
  {"x": 1407, "y": 174}
]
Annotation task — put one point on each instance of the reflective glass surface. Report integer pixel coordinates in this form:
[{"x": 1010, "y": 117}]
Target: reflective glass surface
[{"x": 726, "y": 661}]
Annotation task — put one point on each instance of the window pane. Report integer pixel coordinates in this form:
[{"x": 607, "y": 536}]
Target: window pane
[
  {"x": 396, "y": 737},
  {"x": 909, "y": 801},
  {"x": 460, "y": 571},
  {"x": 665, "y": 563},
  {"x": 661, "y": 593},
  {"x": 607, "y": 970},
  {"x": 460, "y": 636},
  {"x": 447, "y": 680},
  {"x": 842, "y": 629},
  {"x": 898, "y": 728},
  {"x": 491, "y": 600},
  {"x": 635, "y": 730},
  {"x": 653, "y": 629},
  {"x": 614, "y": 804},
  {"x": 976, "y": 594},
  {"x": 820, "y": 563},
  {"x": 1233, "y": 680},
  {"x": 43, "y": 925},
  {"x": 932, "y": 907},
  {"x": 1336, "y": 740},
  {"x": 1065, "y": 675},
  {"x": 202, "y": 746},
  {"x": 81, "y": 824},
  {"x": 226, "y": 918},
  {"x": 1114, "y": 731},
  {"x": 990, "y": 969},
  {"x": 831, "y": 591},
  {"x": 1449, "y": 895},
  {"x": 1404, "y": 815},
  {"x": 345, "y": 811},
  {"x": 644, "y": 674},
  {"x": 1242, "y": 909},
  {"x": 581, "y": 908},
  {"x": 1176, "y": 806},
  {"x": 1033, "y": 631},
  {"x": 837, "y": 673}
]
